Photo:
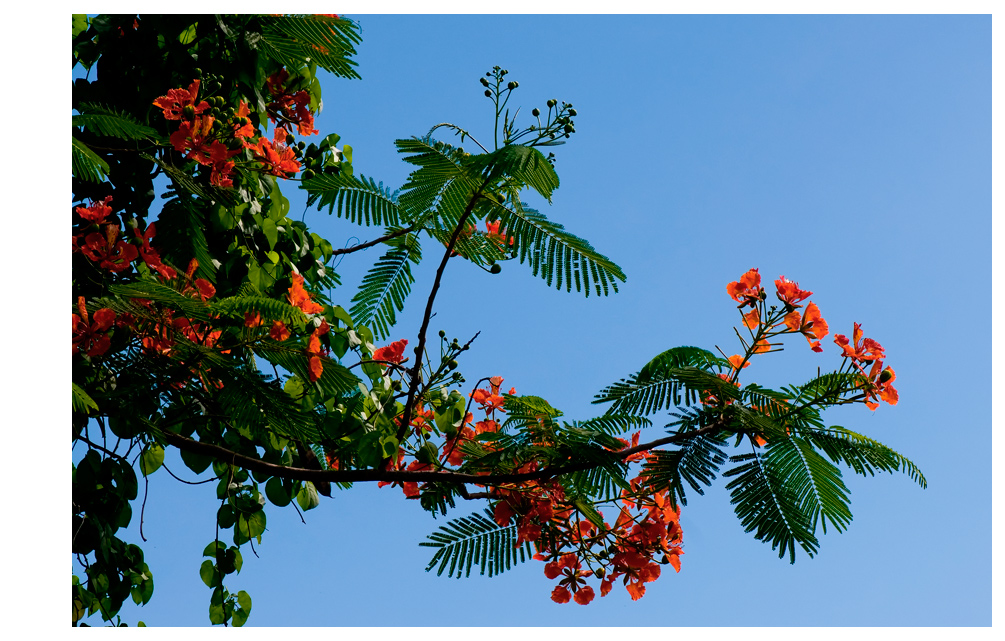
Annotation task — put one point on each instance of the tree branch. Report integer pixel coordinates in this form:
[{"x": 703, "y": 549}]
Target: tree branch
[
  {"x": 352, "y": 476},
  {"x": 371, "y": 243}
]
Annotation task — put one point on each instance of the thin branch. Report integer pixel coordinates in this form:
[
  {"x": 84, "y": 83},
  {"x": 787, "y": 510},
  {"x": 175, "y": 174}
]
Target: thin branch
[{"x": 371, "y": 243}]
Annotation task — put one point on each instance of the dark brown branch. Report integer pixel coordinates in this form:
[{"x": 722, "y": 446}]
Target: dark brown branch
[
  {"x": 371, "y": 243},
  {"x": 302, "y": 474},
  {"x": 413, "y": 386}
]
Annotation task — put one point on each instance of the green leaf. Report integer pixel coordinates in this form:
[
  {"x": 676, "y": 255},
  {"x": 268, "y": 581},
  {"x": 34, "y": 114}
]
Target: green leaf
[
  {"x": 151, "y": 459},
  {"x": 106, "y": 121},
  {"x": 307, "y": 497},
  {"x": 81, "y": 401},
  {"x": 195, "y": 462},
  {"x": 385, "y": 287},
  {"x": 79, "y": 24},
  {"x": 358, "y": 200},
  {"x": 212, "y": 548},
  {"x": 244, "y": 600},
  {"x": 187, "y": 36},
  {"x": 294, "y": 41},
  {"x": 271, "y": 233},
  {"x": 525, "y": 164},
  {"x": 476, "y": 540},
  {"x": 86, "y": 164},
  {"x": 275, "y": 492},
  {"x": 209, "y": 574}
]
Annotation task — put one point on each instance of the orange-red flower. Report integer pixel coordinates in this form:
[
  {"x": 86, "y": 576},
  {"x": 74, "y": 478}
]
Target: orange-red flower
[
  {"x": 107, "y": 251},
  {"x": 252, "y": 319},
  {"x": 97, "y": 211},
  {"x": 747, "y": 290},
  {"x": 301, "y": 298},
  {"x": 150, "y": 255},
  {"x": 868, "y": 351},
  {"x": 560, "y": 595},
  {"x": 393, "y": 353},
  {"x": 176, "y": 100},
  {"x": 789, "y": 292},
  {"x": 752, "y": 318},
  {"x": 812, "y": 325},
  {"x": 91, "y": 337},
  {"x": 279, "y": 331},
  {"x": 278, "y": 158}
]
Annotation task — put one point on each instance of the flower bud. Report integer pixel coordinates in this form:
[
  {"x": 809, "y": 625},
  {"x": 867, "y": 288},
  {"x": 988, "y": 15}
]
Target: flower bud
[
  {"x": 289, "y": 139},
  {"x": 443, "y": 334},
  {"x": 488, "y": 93},
  {"x": 496, "y": 268},
  {"x": 572, "y": 112},
  {"x": 552, "y": 103},
  {"x": 512, "y": 84},
  {"x": 452, "y": 364},
  {"x": 885, "y": 376},
  {"x": 484, "y": 81},
  {"x": 535, "y": 112},
  {"x": 308, "y": 174},
  {"x": 569, "y": 129},
  {"x": 188, "y": 111}
]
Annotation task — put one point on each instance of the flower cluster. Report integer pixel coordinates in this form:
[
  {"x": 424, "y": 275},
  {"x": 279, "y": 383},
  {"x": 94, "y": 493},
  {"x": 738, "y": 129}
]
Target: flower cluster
[
  {"x": 879, "y": 380},
  {"x": 289, "y": 107}
]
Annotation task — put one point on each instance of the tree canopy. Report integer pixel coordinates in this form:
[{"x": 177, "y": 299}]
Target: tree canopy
[{"x": 202, "y": 324}]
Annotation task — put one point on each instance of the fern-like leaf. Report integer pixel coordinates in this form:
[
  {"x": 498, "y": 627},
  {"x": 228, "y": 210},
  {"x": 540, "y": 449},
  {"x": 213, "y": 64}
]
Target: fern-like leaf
[
  {"x": 696, "y": 462},
  {"x": 385, "y": 287},
  {"x": 475, "y": 540},
  {"x": 815, "y": 482},
  {"x": 556, "y": 255},
  {"x": 768, "y": 507},
  {"x": 87, "y": 165},
  {"x": 105, "y": 121},
  {"x": 298, "y": 40},
  {"x": 359, "y": 200},
  {"x": 526, "y": 165},
  {"x": 862, "y": 454}
]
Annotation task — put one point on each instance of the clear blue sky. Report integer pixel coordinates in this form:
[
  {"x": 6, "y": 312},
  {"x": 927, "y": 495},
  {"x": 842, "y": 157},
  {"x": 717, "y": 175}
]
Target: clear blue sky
[{"x": 852, "y": 154}]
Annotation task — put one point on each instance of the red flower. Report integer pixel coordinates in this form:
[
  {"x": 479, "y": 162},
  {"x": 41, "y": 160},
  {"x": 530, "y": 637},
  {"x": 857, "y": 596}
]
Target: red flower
[
  {"x": 107, "y": 251},
  {"x": 89, "y": 337},
  {"x": 150, "y": 255},
  {"x": 789, "y": 292},
  {"x": 192, "y": 136},
  {"x": 243, "y": 129},
  {"x": 279, "y": 331},
  {"x": 97, "y": 212},
  {"x": 584, "y": 595},
  {"x": 812, "y": 325},
  {"x": 560, "y": 595},
  {"x": 252, "y": 319},
  {"x": 393, "y": 353},
  {"x": 868, "y": 351},
  {"x": 301, "y": 298},
  {"x": 748, "y": 290},
  {"x": 176, "y": 100},
  {"x": 278, "y": 158}
]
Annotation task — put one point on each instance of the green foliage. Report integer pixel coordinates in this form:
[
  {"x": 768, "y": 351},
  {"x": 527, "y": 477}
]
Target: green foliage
[
  {"x": 385, "y": 287},
  {"x": 359, "y": 200},
  {"x": 475, "y": 540},
  {"x": 86, "y": 164}
]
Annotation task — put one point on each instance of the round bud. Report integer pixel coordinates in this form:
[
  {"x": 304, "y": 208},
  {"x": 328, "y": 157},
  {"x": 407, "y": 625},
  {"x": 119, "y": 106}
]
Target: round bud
[
  {"x": 198, "y": 72},
  {"x": 600, "y": 572},
  {"x": 488, "y": 93},
  {"x": 885, "y": 376},
  {"x": 552, "y": 102},
  {"x": 484, "y": 81},
  {"x": 301, "y": 145},
  {"x": 289, "y": 139},
  {"x": 535, "y": 112},
  {"x": 665, "y": 560},
  {"x": 188, "y": 111},
  {"x": 512, "y": 84},
  {"x": 572, "y": 112},
  {"x": 495, "y": 269},
  {"x": 443, "y": 334},
  {"x": 568, "y": 129},
  {"x": 452, "y": 364},
  {"x": 308, "y": 174},
  {"x": 504, "y": 72}
]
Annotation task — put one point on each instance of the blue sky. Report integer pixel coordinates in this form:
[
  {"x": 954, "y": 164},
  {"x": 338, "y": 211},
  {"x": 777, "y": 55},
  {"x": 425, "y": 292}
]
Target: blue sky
[{"x": 852, "y": 154}]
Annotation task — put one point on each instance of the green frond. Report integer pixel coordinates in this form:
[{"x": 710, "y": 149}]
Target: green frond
[
  {"x": 696, "y": 462},
  {"x": 294, "y": 41},
  {"x": 184, "y": 181},
  {"x": 558, "y": 256},
  {"x": 862, "y": 454},
  {"x": 254, "y": 403},
  {"x": 827, "y": 386},
  {"x": 335, "y": 379},
  {"x": 384, "y": 288},
  {"x": 82, "y": 403},
  {"x": 525, "y": 164},
  {"x": 677, "y": 376},
  {"x": 767, "y": 507},
  {"x": 86, "y": 164},
  {"x": 358, "y": 200},
  {"x": 106, "y": 121},
  {"x": 270, "y": 308},
  {"x": 614, "y": 423},
  {"x": 815, "y": 482},
  {"x": 151, "y": 290},
  {"x": 475, "y": 540},
  {"x": 441, "y": 184}
]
